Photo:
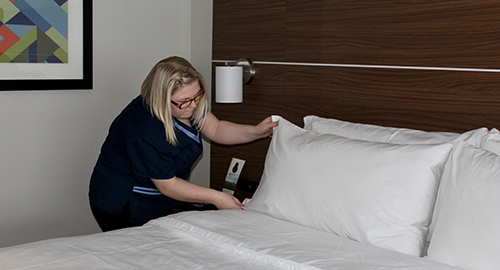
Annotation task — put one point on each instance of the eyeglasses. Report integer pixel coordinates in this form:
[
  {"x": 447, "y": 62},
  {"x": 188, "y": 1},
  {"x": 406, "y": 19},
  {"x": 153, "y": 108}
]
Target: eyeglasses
[{"x": 188, "y": 102}]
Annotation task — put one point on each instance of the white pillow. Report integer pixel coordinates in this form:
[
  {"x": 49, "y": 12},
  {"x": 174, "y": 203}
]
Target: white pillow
[
  {"x": 467, "y": 228},
  {"x": 376, "y": 133},
  {"x": 376, "y": 193}
]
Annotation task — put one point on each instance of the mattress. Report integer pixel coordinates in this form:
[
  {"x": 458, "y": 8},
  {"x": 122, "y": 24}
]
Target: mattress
[{"x": 229, "y": 239}]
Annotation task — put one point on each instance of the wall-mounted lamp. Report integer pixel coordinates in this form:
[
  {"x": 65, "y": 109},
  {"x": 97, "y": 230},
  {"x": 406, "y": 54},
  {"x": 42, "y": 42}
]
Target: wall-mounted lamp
[{"x": 229, "y": 80}]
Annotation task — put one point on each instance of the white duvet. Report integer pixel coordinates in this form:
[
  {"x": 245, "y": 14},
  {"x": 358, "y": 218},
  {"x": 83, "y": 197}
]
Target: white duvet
[{"x": 233, "y": 239}]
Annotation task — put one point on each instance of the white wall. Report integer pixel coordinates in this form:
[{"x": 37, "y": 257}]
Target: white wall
[
  {"x": 50, "y": 140},
  {"x": 201, "y": 58}
]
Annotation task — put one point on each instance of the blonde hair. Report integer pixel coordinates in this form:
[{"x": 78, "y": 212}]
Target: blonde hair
[{"x": 166, "y": 78}]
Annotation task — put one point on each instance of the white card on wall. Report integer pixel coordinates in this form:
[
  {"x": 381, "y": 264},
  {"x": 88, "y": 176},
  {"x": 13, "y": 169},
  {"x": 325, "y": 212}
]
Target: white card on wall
[{"x": 233, "y": 174}]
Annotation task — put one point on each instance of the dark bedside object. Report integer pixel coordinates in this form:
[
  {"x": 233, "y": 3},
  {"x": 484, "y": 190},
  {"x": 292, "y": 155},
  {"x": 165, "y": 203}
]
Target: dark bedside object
[
  {"x": 185, "y": 206},
  {"x": 245, "y": 189}
]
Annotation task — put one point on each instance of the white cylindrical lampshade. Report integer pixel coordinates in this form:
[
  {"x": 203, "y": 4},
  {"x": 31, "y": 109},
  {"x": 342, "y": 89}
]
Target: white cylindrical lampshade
[{"x": 229, "y": 84}]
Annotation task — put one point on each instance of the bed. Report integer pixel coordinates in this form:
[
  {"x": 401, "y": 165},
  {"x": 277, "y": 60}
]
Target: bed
[
  {"x": 210, "y": 240},
  {"x": 333, "y": 195}
]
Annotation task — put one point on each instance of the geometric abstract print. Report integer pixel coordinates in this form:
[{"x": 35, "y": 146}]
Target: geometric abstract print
[{"x": 33, "y": 31}]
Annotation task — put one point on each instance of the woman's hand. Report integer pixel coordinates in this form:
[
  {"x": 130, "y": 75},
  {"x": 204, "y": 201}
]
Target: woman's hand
[
  {"x": 265, "y": 128},
  {"x": 226, "y": 201},
  {"x": 228, "y": 133}
]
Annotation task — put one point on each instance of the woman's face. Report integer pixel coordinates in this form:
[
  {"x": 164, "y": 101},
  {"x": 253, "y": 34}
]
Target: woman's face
[{"x": 185, "y": 94}]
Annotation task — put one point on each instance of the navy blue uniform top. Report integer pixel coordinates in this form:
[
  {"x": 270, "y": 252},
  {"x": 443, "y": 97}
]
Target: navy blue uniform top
[{"x": 135, "y": 151}]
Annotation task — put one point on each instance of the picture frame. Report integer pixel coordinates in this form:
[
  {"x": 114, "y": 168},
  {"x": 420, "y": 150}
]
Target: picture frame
[{"x": 75, "y": 73}]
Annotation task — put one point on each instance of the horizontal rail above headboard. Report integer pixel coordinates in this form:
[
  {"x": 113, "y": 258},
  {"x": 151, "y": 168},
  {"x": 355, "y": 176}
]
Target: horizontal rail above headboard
[{"x": 367, "y": 66}]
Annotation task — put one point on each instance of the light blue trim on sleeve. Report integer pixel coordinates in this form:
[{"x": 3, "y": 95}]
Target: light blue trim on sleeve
[{"x": 146, "y": 191}]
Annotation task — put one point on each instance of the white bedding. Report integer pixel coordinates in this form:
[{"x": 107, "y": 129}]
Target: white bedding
[{"x": 232, "y": 239}]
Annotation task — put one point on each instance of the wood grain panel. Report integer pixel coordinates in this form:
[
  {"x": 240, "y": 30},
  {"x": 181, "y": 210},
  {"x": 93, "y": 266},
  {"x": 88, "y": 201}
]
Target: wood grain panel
[
  {"x": 458, "y": 34},
  {"x": 409, "y": 33},
  {"x": 253, "y": 29},
  {"x": 429, "y": 100}
]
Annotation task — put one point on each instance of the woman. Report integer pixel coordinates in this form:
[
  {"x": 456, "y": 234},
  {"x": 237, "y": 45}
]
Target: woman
[{"x": 152, "y": 145}]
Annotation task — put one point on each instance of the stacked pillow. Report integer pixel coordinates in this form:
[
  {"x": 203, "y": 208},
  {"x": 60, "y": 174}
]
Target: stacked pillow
[
  {"x": 369, "y": 183},
  {"x": 388, "y": 134},
  {"x": 467, "y": 231},
  {"x": 376, "y": 133}
]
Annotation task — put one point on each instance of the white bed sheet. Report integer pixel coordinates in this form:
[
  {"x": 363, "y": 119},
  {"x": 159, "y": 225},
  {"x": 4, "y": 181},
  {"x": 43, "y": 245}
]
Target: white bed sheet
[{"x": 232, "y": 239}]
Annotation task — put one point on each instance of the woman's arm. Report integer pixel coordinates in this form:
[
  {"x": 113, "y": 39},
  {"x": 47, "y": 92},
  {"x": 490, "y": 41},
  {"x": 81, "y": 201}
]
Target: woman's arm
[
  {"x": 225, "y": 132},
  {"x": 182, "y": 190}
]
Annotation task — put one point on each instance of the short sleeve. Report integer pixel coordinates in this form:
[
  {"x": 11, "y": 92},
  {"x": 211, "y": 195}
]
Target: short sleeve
[{"x": 152, "y": 157}]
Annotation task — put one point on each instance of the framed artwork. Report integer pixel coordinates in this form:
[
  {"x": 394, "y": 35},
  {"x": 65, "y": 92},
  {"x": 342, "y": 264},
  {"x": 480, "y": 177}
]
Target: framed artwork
[{"x": 45, "y": 44}]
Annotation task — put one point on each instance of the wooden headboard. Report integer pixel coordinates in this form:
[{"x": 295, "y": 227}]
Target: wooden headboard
[{"x": 429, "y": 65}]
